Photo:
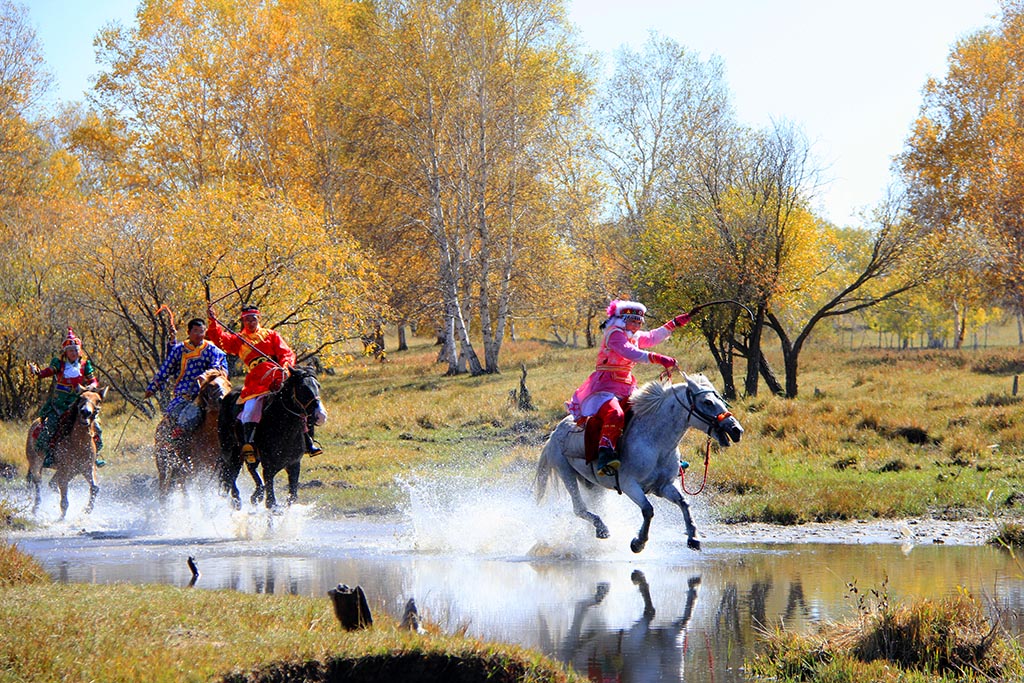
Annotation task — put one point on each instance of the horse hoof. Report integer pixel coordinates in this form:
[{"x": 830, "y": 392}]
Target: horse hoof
[
  {"x": 693, "y": 544},
  {"x": 602, "y": 532},
  {"x": 636, "y": 545}
]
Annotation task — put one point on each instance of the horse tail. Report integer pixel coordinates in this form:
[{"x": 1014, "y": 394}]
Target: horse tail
[
  {"x": 552, "y": 449},
  {"x": 540, "y": 482}
]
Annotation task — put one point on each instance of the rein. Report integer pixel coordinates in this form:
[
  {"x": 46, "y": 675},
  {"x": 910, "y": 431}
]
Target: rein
[
  {"x": 711, "y": 422},
  {"x": 683, "y": 465},
  {"x": 294, "y": 398}
]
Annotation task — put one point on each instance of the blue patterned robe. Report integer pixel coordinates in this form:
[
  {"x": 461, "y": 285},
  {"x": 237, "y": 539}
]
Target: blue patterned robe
[{"x": 182, "y": 367}]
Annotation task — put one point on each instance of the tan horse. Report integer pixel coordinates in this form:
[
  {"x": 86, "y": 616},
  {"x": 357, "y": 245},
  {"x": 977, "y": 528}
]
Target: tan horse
[
  {"x": 196, "y": 456},
  {"x": 74, "y": 450}
]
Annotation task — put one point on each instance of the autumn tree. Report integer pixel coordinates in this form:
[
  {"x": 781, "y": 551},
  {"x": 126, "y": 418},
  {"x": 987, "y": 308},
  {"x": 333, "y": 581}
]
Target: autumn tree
[
  {"x": 33, "y": 175},
  {"x": 654, "y": 110},
  {"x": 962, "y": 166},
  {"x": 471, "y": 92}
]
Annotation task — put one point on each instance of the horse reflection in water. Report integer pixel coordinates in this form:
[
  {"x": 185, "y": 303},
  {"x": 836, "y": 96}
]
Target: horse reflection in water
[
  {"x": 642, "y": 652},
  {"x": 648, "y": 448}
]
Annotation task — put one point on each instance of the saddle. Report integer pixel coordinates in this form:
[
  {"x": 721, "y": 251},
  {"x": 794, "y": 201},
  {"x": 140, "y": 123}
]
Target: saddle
[
  {"x": 65, "y": 423},
  {"x": 591, "y": 428}
]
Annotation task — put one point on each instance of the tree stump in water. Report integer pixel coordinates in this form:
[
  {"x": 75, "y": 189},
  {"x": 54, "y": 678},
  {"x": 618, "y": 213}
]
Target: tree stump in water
[
  {"x": 350, "y": 607},
  {"x": 411, "y": 618}
]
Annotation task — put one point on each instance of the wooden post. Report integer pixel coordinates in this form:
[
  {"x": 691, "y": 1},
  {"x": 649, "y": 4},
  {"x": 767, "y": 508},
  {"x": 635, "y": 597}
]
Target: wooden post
[
  {"x": 350, "y": 607},
  {"x": 524, "y": 401},
  {"x": 194, "y": 569},
  {"x": 1016, "y": 379}
]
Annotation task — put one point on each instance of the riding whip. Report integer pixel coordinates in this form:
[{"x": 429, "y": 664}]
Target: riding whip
[
  {"x": 134, "y": 413},
  {"x": 210, "y": 303},
  {"x": 265, "y": 273},
  {"x": 721, "y": 301}
]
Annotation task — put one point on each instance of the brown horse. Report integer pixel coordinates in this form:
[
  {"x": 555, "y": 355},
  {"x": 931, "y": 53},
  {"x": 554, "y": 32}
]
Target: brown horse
[
  {"x": 74, "y": 450},
  {"x": 195, "y": 456}
]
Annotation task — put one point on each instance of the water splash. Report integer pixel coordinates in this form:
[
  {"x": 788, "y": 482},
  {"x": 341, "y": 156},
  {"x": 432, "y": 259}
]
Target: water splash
[
  {"x": 501, "y": 519},
  {"x": 134, "y": 509}
]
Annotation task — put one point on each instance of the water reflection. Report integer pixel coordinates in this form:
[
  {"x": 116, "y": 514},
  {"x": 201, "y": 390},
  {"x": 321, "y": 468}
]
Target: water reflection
[
  {"x": 643, "y": 651},
  {"x": 669, "y": 615}
]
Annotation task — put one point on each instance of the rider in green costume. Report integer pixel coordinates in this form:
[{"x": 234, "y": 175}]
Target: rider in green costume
[{"x": 72, "y": 373}]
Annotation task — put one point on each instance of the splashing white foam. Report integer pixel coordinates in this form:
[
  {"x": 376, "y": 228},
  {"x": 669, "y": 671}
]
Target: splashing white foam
[
  {"x": 501, "y": 518},
  {"x": 202, "y": 512}
]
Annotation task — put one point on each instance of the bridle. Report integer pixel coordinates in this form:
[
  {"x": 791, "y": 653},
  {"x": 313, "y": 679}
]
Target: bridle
[
  {"x": 210, "y": 393},
  {"x": 713, "y": 422},
  {"x": 293, "y": 397}
]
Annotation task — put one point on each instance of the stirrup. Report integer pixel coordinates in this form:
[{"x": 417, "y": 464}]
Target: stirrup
[
  {"x": 314, "y": 450},
  {"x": 249, "y": 453},
  {"x": 607, "y": 462}
]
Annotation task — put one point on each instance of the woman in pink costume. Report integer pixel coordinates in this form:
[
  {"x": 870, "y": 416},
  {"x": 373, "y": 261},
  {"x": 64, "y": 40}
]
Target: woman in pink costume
[{"x": 612, "y": 382}]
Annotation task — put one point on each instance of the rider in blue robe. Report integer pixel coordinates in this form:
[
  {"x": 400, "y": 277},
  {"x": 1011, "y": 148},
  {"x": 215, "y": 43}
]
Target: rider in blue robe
[{"x": 181, "y": 369}]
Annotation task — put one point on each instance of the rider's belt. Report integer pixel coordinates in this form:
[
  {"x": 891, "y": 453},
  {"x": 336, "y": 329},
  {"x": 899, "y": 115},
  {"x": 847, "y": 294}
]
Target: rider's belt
[
  {"x": 257, "y": 361},
  {"x": 66, "y": 388},
  {"x": 617, "y": 373}
]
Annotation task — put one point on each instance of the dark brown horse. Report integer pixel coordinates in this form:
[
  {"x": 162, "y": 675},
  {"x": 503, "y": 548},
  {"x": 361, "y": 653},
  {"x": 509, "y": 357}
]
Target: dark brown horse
[
  {"x": 195, "y": 456},
  {"x": 74, "y": 450},
  {"x": 280, "y": 437}
]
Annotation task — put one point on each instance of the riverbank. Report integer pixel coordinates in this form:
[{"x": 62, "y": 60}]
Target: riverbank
[{"x": 912, "y": 531}]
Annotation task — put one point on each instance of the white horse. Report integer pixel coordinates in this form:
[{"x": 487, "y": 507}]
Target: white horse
[{"x": 662, "y": 412}]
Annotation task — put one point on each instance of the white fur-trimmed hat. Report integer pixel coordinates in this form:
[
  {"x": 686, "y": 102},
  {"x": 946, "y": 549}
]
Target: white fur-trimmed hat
[{"x": 621, "y": 307}]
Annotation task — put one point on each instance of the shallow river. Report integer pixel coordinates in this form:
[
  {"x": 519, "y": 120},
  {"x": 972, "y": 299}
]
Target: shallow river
[{"x": 501, "y": 567}]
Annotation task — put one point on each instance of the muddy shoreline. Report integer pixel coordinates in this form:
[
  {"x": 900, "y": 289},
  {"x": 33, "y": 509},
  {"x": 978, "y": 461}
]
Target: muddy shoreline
[{"x": 916, "y": 531}]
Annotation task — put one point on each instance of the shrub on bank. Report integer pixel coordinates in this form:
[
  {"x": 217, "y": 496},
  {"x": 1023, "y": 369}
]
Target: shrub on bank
[{"x": 924, "y": 641}]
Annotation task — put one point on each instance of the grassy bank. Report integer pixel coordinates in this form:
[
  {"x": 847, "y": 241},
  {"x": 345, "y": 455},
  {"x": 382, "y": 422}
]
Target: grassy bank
[
  {"x": 51, "y": 632},
  {"x": 874, "y": 433}
]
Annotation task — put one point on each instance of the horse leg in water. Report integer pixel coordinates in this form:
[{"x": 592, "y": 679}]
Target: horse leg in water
[
  {"x": 93, "y": 488},
  {"x": 260, "y": 490},
  {"x": 268, "y": 478},
  {"x": 293, "y": 481},
  {"x": 61, "y": 480},
  {"x": 635, "y": 493},
  {"x": 672, "y": 494},
  {"x": 572, "y": 485},
  {"x": 228, "y": 480}
]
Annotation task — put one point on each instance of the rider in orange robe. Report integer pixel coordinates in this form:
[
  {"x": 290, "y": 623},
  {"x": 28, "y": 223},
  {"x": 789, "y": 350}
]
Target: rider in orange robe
[{"x": 266, "y": 356}]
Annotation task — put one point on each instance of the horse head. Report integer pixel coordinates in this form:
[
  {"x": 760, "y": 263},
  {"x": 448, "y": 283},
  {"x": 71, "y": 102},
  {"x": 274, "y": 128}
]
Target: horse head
[
  {"x": 302, "y": 389},
  {"x": 711, "y": 410},
  {"x": 88, "y": 405},
  {"x": 214, "y": 385}
]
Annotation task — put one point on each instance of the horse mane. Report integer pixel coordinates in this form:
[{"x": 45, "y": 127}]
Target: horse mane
[
  {"x": 210, "y": 374},
  {"x": 66, "y": 422},
  {"x": 647, "y": 399}
]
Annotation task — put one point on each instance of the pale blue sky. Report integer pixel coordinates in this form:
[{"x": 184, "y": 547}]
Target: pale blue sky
[{"x": 849, "y": 74}]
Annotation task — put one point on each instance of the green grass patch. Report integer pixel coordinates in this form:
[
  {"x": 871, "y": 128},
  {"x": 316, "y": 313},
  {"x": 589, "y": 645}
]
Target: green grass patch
[{"x": 1010, "y": 536}]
